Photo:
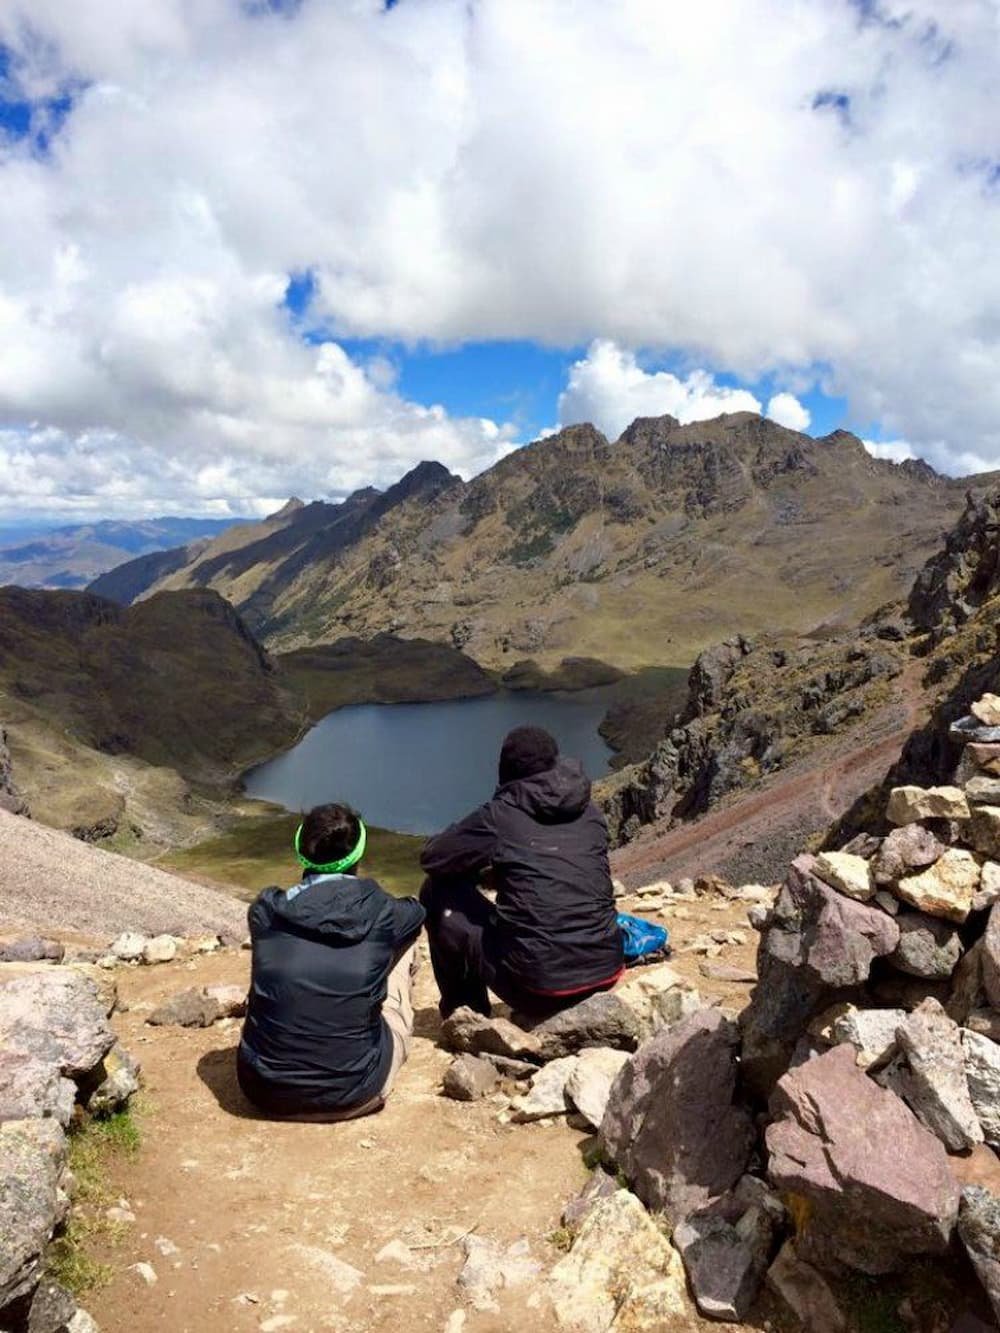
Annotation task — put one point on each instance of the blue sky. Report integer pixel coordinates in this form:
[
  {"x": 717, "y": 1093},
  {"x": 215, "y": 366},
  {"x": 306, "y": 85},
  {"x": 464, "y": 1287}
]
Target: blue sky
[{"x": 251, "y": 248}]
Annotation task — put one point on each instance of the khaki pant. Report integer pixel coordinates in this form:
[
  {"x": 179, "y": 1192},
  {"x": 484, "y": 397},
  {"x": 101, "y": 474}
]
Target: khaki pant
[{"x": 398, "y": 1013}]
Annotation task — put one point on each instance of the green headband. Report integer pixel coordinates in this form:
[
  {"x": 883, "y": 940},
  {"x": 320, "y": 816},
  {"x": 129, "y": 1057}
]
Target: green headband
[{"x": 334, "y": 867}]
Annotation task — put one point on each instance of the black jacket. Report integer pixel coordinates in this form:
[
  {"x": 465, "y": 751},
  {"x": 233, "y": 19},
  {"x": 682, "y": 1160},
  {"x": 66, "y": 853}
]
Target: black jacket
[
  {"x": 556, "y": 928},
  {"x": 314, "y": 1037}
]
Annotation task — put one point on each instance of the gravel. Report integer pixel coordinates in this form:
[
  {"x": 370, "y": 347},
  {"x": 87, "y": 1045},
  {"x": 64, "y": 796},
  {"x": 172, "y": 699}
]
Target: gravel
[{"x": 50, "y": 877}]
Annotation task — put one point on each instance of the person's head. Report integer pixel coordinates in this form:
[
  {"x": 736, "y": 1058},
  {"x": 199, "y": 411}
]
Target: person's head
[
  {"x": 329, "y": 835},
  {"x": 525, "y": 752}
]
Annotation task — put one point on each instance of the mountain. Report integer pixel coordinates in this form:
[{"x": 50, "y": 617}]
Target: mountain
[
  {"x": 641, "y": 551},
  {"x": 71, "y": 557}
]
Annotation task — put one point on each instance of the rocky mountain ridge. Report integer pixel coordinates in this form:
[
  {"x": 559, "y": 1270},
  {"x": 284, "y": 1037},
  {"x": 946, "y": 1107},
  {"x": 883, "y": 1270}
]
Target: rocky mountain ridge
[{"x": 642, "y": 551}]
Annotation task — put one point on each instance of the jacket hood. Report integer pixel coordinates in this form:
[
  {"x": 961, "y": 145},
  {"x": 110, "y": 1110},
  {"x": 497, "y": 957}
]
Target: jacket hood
[
  {"x": 338, "y": 906},
  {"x": 558, "y": 795}
]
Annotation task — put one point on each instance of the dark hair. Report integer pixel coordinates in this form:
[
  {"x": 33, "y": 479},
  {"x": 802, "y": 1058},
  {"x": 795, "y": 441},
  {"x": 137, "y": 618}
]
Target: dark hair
[
  {"x": 525, "y": 752},
  {"x": 329, "y": 832}
]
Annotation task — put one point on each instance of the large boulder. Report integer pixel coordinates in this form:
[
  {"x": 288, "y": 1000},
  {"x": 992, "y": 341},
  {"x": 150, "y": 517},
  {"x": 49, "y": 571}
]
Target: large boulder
[
  {"x": 816, "y": 943},
  {"x": 832, "y": 938},
  {"x": 930, "y": 1076},
  {"x": 589, "y": 1084},
  {"x": 31, "y": 1087},
  {"x": 63, "y": 1005},
  {"x": 672, "y": 1125},
  {"x": 979, "y": 1229},
  {"x": 603, "y": 1019},
  {"x": 846, "y": 872},
  {"x": 472, "y": 1033},
  {"x": 622, "y": 1273},
  {"x": 32, "y": 1159},
  {"x": 909, "y": 804},
  {"x": 947, "y": 888},
  {"x": 869, "y": 1186}
]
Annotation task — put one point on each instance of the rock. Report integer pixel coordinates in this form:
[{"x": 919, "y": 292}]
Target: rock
[
  {"x": 200, "y": 1008},
  {"x": 603, "y": 1019},
  {"x": 508, "y": 1068},
  {"x": 987, "y": 710},
  {"x": 645, "y": 989},
  {"x": 984, "y": 830},
  {"x": 32, "y": 1159},
  {"x": 989, "y": 887},
  {"x": 113, "y": 1083},
  {"x": 933, "y": 1083},
  {"x": 817, "y": 929},
  {"x": 600, "y": 1185},
  {"x": 64, "y": 1007},
  {"x": 850, "y": 874},
  {"x": 979, "y": 1230},
  {"x": 871, "y": 1186},
  {"x": 887, "y": 902},
  {"x": 589, "y": 1082},
  {"x": 982, "y": 1073},
  {"x": 159, "y": 949},
  {"x": 128, "y": 947},
  {"x": 671, "y": 1124},
  {"x": 726, "y": 972},
  {"x": 206, "y": 944},
  {"x": 727, "y": 1247},
  {"x": 621, "y": 1273},
  {"x": 871, "y": 1032},
  {"x": 911, "y": 847},
  {"x": 985, "y": 1022},
  {"x": 82, "y": 1322},
  {"x": 467, "y": 1031},
  {"x": 909, "y": 804},
  {"x": 32, "y": 949},
  {"x": 33, "y": 1088},
  {"x": 927, "y": 947},
  {"x": 52, "y": 1308},
  {"x": 547, "y": 1094},
  {"x": 980, "y": 1166},
  {"x": 806, "y": 1293},
  {"x": 989, "y": 957},
  {"x": 468, "y": 1078},
  {"x": 983, "y": 790},
  {"x": 947, "y": 888},
  {"x": 759, "y": 916},
  {"x": 490, "y": 1269},
  {"x": 986, "y": 758},
  {"x": 781, "y": 1006},
  {"x": 146, "y": 1272},
  {"x": 967, "y": 989}
]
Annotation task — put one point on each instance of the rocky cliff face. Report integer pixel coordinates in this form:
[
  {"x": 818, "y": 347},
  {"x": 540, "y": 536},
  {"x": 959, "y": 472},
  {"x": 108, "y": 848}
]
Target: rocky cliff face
[
  {"x": 640, "y": 551},
  {"x": 754, "y": 706},
  {"x": 11, "y": 799}
]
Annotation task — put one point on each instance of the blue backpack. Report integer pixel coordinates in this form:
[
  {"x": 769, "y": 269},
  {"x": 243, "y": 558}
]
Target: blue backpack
[{"x": 644, "y": 941}]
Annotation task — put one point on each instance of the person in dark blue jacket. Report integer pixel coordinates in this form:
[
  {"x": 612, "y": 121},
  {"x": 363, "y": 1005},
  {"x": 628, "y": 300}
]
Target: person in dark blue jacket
[
  {"x": 552, "y": 936},
  {"x": 329, "y": 1016}
]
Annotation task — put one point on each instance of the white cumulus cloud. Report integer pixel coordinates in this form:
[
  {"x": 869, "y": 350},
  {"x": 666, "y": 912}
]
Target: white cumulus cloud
[
  {"x": 786, "y": 410},
  {"x": 762, "y": 187},
  {"x": 610, "y": 388}
]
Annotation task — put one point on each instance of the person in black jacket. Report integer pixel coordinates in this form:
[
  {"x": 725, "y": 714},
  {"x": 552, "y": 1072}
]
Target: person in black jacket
[
  {"x": 552, "y": 937},
  {"x": 329, "y": 1016}
]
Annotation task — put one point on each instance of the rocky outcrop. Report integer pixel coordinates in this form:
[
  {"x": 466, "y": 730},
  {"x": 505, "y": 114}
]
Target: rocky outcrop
[
  {"x": 11, "y": 799},
  {"x": 954, "y": 583},
  {"x": 56, "y": 1052}
]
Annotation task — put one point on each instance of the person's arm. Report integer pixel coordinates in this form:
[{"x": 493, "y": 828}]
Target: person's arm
[
  {"x": 408, "y": 918},
  {"x": 465, "y": 848}
]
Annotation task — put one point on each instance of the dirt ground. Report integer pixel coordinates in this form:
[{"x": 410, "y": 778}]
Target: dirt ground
[{"x": 264, "y": 1216}]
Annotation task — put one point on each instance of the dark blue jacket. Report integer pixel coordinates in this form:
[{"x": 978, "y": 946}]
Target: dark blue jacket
[{"x": 314, "y": 1039}]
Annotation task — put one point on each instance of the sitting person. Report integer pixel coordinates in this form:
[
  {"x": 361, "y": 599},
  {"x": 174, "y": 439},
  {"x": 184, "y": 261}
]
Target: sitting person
[
  {"x": 552, "y": 938},
  {"x": 329, "y": 1016}
]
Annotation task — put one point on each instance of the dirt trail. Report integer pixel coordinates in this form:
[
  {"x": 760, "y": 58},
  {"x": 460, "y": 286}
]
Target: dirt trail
[
  {"x": 264, "y": 1214},
  {"x": 773, "y": 822}
]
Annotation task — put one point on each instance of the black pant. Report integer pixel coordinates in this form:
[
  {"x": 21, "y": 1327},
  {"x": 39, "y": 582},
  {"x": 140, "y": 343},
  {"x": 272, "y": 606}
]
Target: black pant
[{"x": 466, "y": 955}]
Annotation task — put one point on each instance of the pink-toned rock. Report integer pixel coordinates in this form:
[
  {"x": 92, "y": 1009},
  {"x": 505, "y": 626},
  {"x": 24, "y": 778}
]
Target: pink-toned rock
[
  {"x": 869, "y": 1185},
  {"x": 989, "y": 954},
  {"x": 671, "y": 1125},
  {"x": 911, "y": 847}
]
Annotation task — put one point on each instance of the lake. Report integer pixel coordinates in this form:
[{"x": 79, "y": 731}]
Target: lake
[{"x": 415, "y": 768}]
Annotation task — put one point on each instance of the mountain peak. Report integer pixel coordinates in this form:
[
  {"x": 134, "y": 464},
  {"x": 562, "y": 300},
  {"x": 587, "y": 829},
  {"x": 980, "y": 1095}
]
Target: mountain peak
[{"x": 290, "y": 507}]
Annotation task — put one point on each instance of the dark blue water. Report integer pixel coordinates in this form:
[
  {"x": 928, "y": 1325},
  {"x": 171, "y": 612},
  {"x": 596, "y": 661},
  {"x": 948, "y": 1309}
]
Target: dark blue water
[{"x": 417, "y": 767}]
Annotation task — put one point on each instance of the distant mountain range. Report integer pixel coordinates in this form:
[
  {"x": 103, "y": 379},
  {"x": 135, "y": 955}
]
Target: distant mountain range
[
  {"x": 72, "y": 557},
  {"x": 640, "y": 551}
]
